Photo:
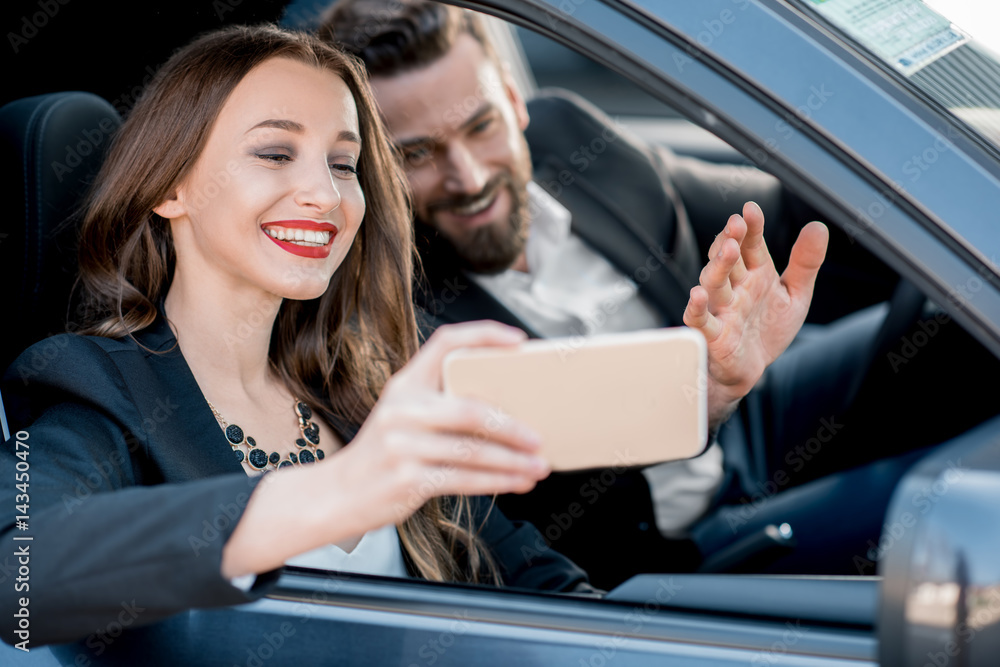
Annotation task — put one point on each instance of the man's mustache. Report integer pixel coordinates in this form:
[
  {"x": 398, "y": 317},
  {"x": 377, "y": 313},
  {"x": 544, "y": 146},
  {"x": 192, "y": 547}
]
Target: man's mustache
[{"x": 458, "y": 201}]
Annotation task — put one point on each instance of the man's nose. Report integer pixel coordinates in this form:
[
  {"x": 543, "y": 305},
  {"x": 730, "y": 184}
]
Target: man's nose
[{"x": 465, "y": 174}]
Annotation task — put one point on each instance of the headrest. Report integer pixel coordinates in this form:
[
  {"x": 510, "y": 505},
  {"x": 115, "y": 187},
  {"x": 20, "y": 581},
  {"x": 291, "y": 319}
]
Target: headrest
[{"x": 55, "y": 143}]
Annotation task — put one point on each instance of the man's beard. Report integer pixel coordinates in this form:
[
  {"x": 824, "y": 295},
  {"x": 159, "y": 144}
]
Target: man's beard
[{"x": 492, "y": 247}]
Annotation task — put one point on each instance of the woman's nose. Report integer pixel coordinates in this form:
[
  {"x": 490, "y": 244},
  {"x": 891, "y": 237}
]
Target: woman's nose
[{"x": 319, "y": 189}]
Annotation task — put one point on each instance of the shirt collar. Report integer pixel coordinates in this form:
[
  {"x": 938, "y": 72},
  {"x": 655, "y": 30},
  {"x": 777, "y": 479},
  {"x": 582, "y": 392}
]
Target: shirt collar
[{"x": 550, "y": 226}]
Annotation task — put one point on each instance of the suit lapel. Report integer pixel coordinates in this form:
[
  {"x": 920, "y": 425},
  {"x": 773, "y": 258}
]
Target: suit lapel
[
  {"x": 468, "y": 301},
  {"x": 199, "y": 448},
  {"x": 607, "y": 228}
]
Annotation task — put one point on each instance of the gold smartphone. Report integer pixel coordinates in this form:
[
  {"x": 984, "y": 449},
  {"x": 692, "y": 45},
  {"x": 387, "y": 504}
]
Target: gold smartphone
[{"x": 621, "y": 399}]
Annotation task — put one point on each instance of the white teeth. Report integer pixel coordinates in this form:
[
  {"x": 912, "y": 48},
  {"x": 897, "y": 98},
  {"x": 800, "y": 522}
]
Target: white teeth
[
  {"x": 303, "y": 237},
  {"x": 475, "y": 207}
]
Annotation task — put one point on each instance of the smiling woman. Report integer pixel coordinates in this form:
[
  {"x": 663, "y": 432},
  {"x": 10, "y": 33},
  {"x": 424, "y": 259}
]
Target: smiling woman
[{"x": 235, "y": 193}]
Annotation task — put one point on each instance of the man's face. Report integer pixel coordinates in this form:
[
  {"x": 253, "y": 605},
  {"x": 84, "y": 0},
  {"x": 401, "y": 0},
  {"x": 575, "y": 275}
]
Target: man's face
[{"x": 459, "y": 124}]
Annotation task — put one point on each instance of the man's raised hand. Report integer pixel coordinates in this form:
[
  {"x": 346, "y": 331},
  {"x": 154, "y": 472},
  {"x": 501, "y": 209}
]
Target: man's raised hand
[{"x": 746, "y": 311}]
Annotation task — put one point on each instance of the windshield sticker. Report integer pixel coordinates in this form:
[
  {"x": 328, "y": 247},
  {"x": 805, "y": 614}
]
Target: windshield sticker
[{"x": 907, "y": 34}]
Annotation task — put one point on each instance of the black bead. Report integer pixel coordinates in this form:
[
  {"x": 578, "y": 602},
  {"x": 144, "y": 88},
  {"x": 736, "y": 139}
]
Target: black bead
[
  {"x": 234, "y": 434},
  {"x": 311, "y": 434},
  {"x": 251, "y": 441},
  {"x": 258, "y": 458},
  {"x": 274, "y": 458},
  {"x": 239, "y": 455},
  {"x": 284, "y": 464},
  {"x": 303, "y": 410},
  {"x": 305, "y": 456},
  {"x": 301, "y": 443},
  {"x": 292, "y": 457},
  {"x": 320, "y": 454}
]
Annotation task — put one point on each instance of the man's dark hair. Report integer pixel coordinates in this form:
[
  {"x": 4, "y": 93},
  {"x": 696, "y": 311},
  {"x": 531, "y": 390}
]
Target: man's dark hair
[{"x": 392, "y": 36}]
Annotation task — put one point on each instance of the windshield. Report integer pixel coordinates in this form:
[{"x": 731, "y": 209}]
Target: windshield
[{"x": 947, "y": 48}]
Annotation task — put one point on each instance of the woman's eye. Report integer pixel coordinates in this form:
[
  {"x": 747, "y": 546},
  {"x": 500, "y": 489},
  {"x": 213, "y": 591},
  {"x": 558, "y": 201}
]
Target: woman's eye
[
  {"x": 274, "y": 157},
  {"x": 344, "y": 170}
]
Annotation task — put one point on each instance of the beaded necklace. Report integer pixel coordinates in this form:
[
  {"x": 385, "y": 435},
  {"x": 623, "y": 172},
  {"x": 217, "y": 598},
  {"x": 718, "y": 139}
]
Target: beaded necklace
[{"x": 308, "y": 445}]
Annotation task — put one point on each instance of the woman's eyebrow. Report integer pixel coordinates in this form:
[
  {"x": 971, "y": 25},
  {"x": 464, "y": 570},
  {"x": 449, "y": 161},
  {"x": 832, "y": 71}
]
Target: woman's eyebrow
[
  {"x": 348, "y": 135},
  {"x": 278, "y": 124},
  {"x": 298, "y": 128}
]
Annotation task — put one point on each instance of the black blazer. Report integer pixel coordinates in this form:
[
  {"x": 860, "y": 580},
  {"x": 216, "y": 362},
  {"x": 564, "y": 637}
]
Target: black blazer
[
  {"x": 652, "y": 214},
  {"x": 134, "y": 490}
]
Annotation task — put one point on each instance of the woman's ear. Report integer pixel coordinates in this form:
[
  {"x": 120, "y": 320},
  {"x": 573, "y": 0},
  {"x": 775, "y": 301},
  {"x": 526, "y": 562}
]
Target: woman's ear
[{"x": 171, "y": 207}]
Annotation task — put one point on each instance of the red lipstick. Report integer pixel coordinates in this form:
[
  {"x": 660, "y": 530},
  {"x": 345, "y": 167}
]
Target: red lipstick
[{"x": 313, "y": 252}]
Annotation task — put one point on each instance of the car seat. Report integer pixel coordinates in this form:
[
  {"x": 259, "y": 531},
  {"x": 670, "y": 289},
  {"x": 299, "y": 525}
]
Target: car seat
[{"x": 55, "y": 143}]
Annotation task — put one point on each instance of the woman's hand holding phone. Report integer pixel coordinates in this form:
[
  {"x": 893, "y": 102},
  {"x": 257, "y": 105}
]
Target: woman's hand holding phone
[{"x": 418, "y": 443}]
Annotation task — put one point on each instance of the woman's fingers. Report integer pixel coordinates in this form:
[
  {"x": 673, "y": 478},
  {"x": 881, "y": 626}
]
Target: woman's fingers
[
  {"x": 425, "y": 367},
  {"x": 470, "y": 482},
  {"x": 454, "y": 414},
  {"x": 471, "y": 452}
]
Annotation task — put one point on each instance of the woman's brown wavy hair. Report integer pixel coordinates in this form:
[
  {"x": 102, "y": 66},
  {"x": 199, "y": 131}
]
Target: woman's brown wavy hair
[{"x": 336, "y": 351}]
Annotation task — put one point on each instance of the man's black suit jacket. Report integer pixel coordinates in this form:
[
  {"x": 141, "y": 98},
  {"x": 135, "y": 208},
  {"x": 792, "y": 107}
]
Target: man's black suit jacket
[
  {"x": 652, "y": 214},
  {"x": 134, "y": 489}
]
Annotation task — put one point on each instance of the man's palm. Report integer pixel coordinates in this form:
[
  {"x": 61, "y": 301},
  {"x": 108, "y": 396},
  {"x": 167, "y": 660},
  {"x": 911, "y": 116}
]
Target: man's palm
[{"x": 746, "y": 311}]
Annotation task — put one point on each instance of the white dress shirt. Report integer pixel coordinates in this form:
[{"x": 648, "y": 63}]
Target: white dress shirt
[
  {"x": 378, "y": 552},
  {"x": 572, "y": 290}
]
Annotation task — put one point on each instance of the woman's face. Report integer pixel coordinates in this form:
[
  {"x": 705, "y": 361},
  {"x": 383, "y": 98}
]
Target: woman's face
[{"x": 273, "y": 201}]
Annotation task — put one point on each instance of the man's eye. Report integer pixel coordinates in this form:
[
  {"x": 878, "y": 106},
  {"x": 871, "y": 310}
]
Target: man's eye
[
  {"x": 417, "y": 156},
  {"x": 482, "y": 125},
  {"x": 344, "y": 170}
]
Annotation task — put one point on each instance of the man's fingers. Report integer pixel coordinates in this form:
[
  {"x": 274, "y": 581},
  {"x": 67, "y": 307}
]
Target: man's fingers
[
  {"x": 696, "y": 314},
  {"x": 735, "y": 228},
  {"x": 807, "y": 256},
  {"x": 753, "y": 248},
  {"x": 715, "y": 277},
  {"x": 425, "y": 367}
]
